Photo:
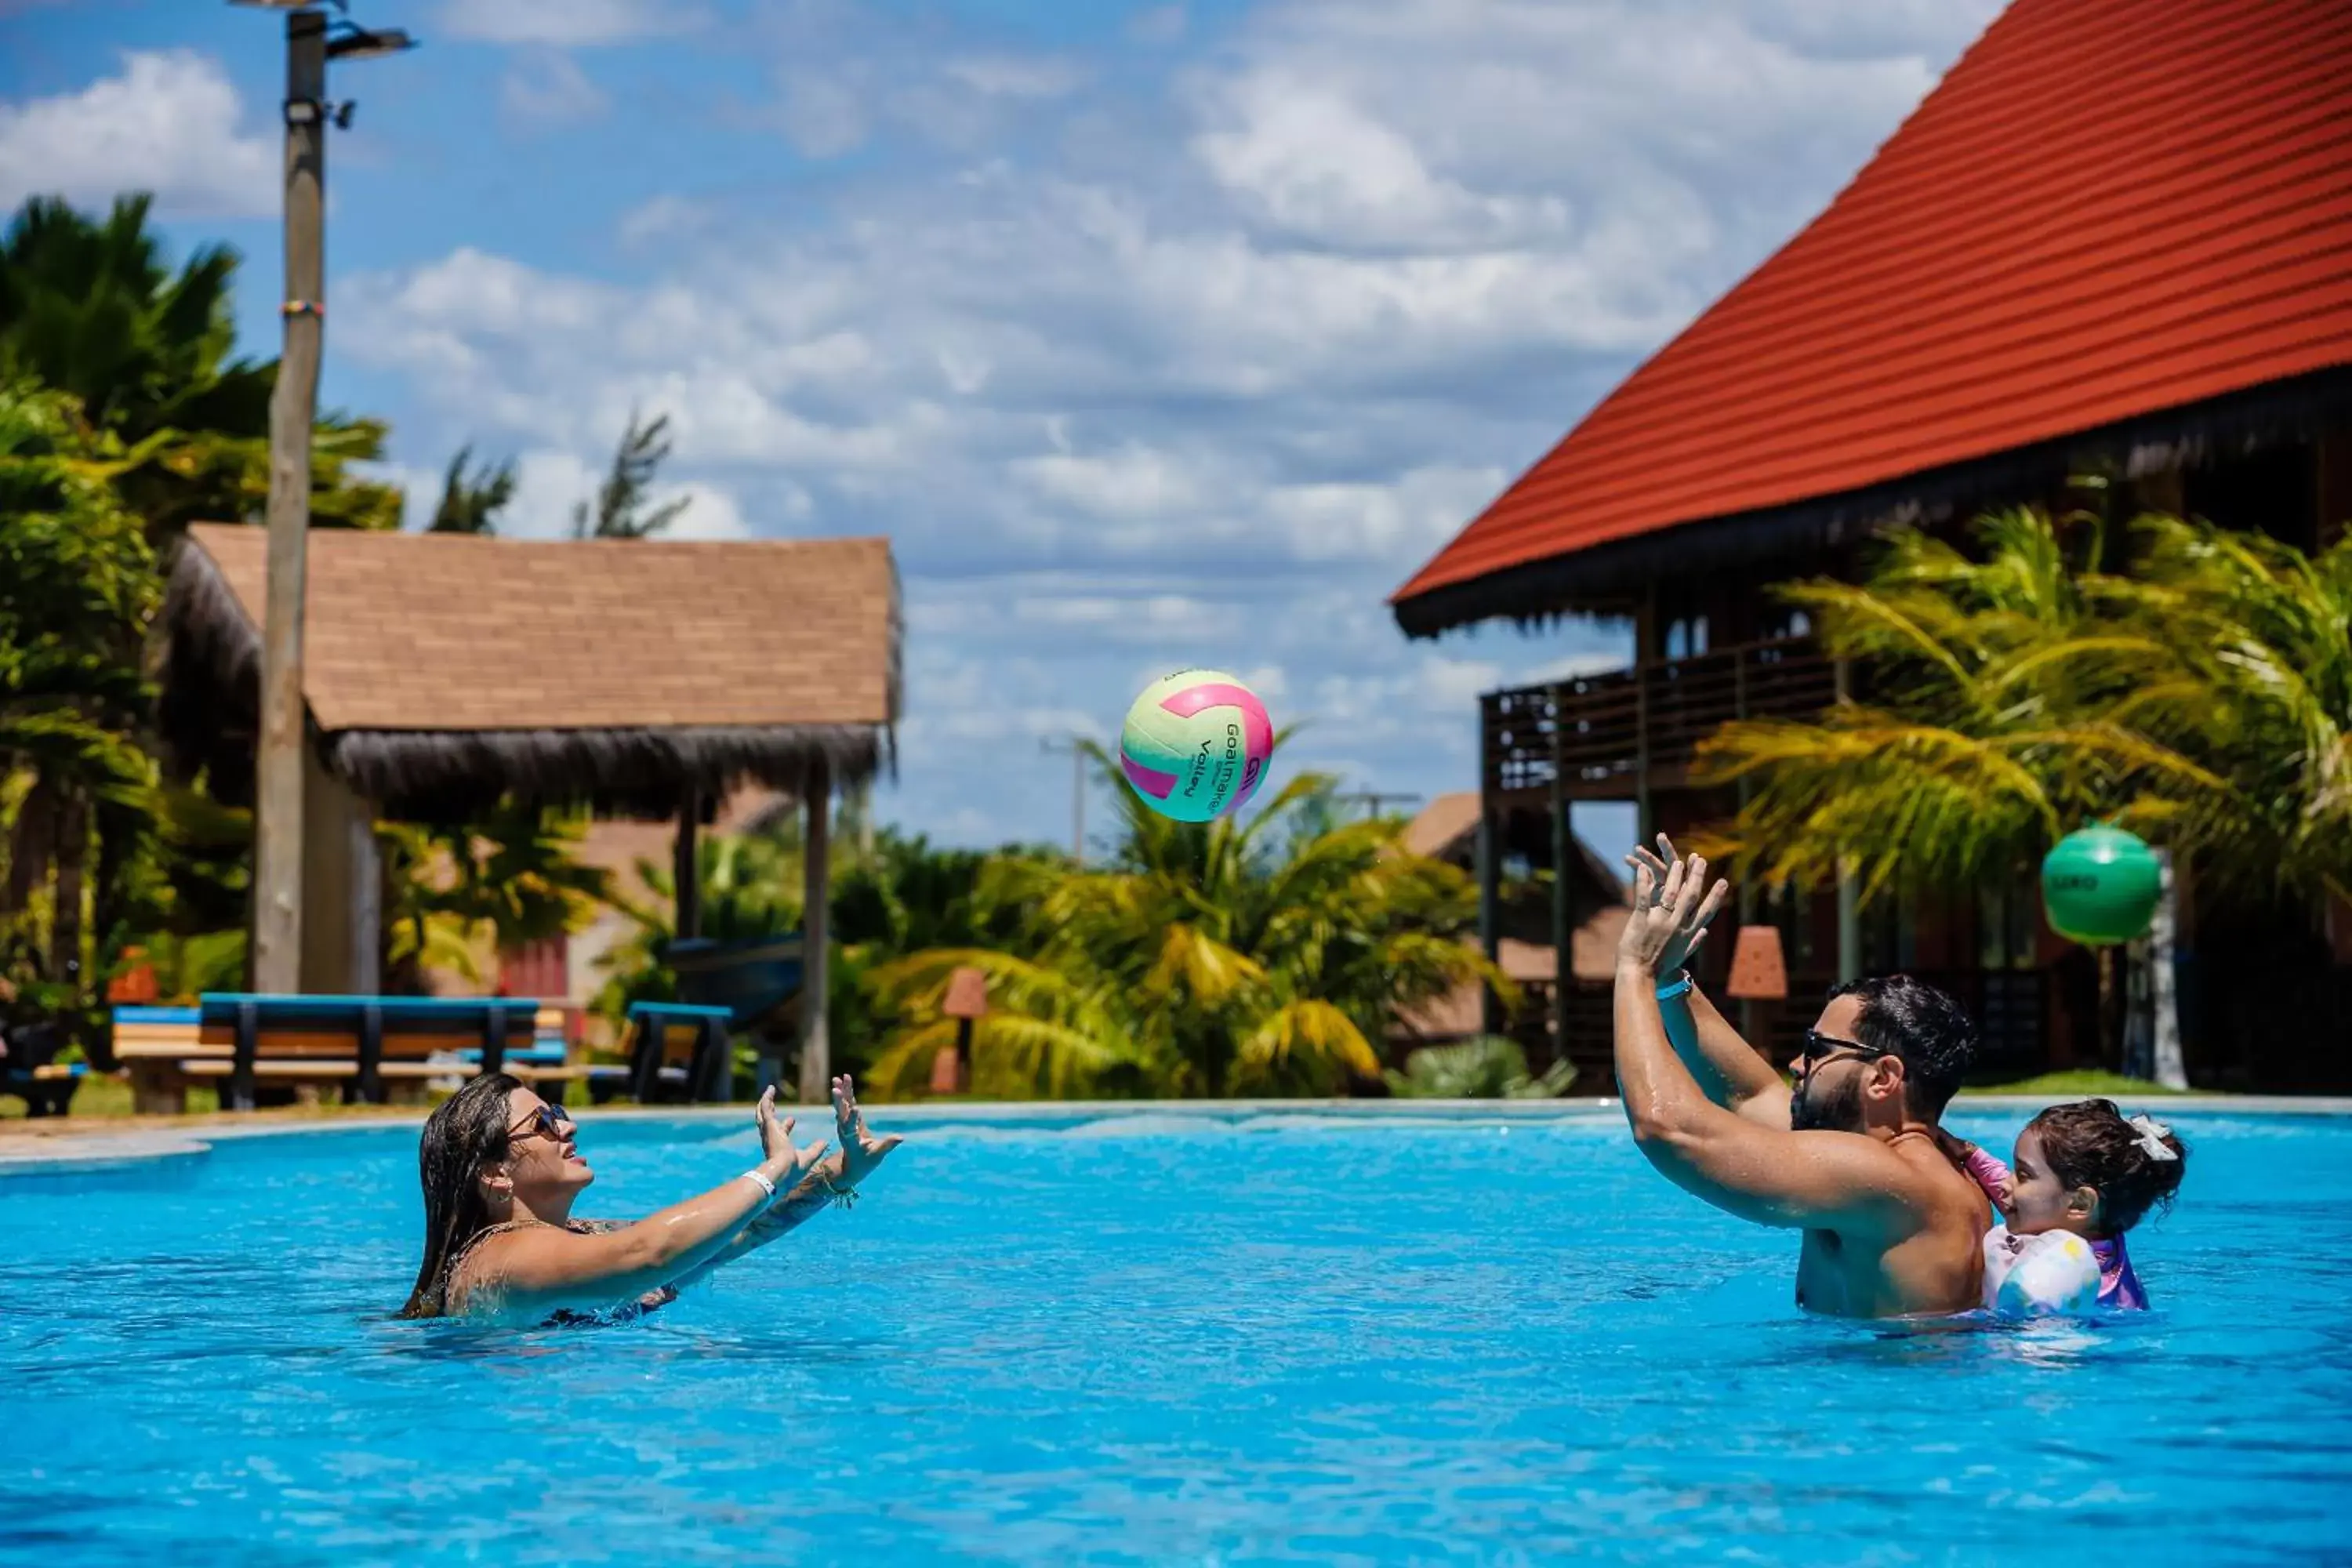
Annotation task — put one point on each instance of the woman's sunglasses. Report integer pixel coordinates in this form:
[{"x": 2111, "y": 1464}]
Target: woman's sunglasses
[{"x": 552, "y": 1122}]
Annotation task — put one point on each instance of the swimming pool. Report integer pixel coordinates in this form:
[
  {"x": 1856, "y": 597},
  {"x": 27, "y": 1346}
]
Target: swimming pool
[{"x": 1162, "y": 1339}]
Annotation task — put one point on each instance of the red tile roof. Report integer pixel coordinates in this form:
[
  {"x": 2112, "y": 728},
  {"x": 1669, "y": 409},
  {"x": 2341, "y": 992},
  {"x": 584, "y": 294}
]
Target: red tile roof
[{"x": 2106, "y": 209}]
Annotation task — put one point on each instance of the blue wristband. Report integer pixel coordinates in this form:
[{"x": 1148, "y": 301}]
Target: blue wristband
[{"x": 1679, "y": 986}]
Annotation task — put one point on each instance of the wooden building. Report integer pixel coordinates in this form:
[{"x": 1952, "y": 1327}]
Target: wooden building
[
  {"x": 2117, "y": 237},
  {"x": 644, "y": 680}
]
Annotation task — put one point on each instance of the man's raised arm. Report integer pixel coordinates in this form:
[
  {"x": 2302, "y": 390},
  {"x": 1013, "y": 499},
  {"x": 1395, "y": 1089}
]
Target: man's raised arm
[
  {"x": 1830, "y": 1181},
  {"x": 1727, "y": 1067}
]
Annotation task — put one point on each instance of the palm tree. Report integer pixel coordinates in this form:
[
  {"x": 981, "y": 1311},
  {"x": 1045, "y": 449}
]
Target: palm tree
[
  {"x": 506, "y": 872},
  {"x": 87, "y": 306},
  {"x": 470, "y": 502},
  {"x": 620, "y": 509},
  {"x": 1205, "y": 959},
  {"x": 2201, "y": 697}
]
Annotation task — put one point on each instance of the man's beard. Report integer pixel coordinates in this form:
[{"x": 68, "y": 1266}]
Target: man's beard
[{"x": 1838, "y": 1110}]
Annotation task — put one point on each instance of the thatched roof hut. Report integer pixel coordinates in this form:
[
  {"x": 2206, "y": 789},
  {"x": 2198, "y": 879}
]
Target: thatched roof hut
[
  {"x": 643, "y": 678},
  {"x": 442, "y": 670}
]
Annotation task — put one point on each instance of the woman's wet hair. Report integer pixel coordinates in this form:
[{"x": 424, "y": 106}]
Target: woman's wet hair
[
  {"x": 2090, "y": 1144},
  {"x": 466, "y": 1131}
]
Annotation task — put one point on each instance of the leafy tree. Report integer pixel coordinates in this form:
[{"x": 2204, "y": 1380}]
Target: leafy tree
[
  {"x": 620, "y": 510},
  {"x": 1491, "y": 1066},
  {"x": 77, "y": 591}
]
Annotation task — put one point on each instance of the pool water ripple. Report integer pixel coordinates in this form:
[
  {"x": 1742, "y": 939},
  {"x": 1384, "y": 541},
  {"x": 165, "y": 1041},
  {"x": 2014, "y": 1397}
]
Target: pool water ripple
[{"x": 1159, "y": 1338}]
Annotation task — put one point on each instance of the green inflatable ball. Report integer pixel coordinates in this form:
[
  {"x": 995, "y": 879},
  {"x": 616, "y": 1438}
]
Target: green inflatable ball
[{"x": 2100, "y": 886}]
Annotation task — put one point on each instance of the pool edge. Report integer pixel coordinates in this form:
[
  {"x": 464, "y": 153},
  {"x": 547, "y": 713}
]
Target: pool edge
[{"x": 78, "y": 1152}]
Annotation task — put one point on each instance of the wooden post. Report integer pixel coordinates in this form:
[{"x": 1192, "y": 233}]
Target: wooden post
[
  {"x": 369, "y": 1084},
  {"x": 293, "y": 404},
  {"x": 1748, "y": 1015},
  {"x": 1563, "y": 965},
  {"x": 1489, "y": 854},
  {"x": 366, "y": 893},
  {"x": 685, "y": 871},
  {"x": 1849, "y": 896},
  {"x": 1646, "y": 635},
  {"x": 816, "y": 890}
]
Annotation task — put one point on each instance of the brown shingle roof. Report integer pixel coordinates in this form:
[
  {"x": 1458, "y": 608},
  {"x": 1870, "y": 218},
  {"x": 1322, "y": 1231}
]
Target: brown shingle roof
[
  {"x": 442, "y": 670},
  {"x": 443, "y": 632}
]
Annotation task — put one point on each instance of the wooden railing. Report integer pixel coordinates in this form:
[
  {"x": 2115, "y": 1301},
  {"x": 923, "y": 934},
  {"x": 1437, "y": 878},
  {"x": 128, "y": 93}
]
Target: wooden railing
[{"x": 1602, "y": 733}]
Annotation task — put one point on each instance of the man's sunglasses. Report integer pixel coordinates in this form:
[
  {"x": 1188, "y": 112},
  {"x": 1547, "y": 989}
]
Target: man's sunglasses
[
  {"x": 552, "y": 1122},
  {"x": 1818, "y": 1047}
]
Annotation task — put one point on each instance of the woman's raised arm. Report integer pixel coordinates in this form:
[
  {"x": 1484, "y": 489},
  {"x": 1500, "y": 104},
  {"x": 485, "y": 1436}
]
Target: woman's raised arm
[{"x": 541, "y": 1267}]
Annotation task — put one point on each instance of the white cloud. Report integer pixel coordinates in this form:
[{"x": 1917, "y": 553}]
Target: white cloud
[
  {"x": 1016, "y": 75},
  {"x": 547, "y": 87},
  {"x": 710, "y": 513},
  {"x": 1198, "y": 372},
  {"x": 168, "y": 124},
  {"x": 665, "y": 216},
  {"x": 1313, "y": 163},
  {"x": 566, "y": 22}
]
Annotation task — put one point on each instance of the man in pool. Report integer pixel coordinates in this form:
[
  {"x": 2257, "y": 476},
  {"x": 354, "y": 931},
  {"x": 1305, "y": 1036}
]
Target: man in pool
[{"x": 1854, "y": 1157}]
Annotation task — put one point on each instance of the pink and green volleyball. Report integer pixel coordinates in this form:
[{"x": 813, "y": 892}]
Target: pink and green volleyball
[{"x": 1196, "y": 745}]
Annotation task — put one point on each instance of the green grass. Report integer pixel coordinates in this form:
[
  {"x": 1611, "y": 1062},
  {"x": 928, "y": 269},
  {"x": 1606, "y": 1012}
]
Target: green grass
[{"x": 2081, "y": 1084}]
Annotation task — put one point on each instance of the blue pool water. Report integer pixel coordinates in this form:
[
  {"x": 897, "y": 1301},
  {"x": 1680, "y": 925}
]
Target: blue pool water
[{"x": 1172, "y": 1339}]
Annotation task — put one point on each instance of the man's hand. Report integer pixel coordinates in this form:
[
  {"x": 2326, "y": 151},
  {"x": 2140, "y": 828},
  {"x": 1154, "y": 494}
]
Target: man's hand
[{"x": 1670, "y": 915}]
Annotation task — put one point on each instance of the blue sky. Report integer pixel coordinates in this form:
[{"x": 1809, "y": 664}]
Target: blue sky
[{"x": 1153, "y": 334}]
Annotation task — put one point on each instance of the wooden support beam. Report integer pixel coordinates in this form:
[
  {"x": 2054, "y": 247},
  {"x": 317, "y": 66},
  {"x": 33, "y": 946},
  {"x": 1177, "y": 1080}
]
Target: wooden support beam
[
  {"x": 1849, "y": 899},
  {"x": 1489, "y": 854},
  {"x": 1563, "y": 965},
  {"x": 816, "y": 891},
  {"x": 1645, "y": 638},
  {"x": 685, "y": 871}
]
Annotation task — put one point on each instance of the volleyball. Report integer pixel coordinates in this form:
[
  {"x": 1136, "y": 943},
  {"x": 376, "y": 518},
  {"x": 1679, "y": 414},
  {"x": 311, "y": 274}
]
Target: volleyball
[{"x": 1196, "y": 745}]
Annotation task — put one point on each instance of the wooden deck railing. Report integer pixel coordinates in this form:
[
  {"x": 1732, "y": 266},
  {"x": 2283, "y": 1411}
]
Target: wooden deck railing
[{"x": 1603, "y": 732}]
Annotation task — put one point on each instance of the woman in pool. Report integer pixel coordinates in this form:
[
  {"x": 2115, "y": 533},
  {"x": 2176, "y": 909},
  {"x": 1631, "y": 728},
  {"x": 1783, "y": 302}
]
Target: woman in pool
[
  {"x": 500, "y": 1174},
  {"x": 2084, "y": 1174}
]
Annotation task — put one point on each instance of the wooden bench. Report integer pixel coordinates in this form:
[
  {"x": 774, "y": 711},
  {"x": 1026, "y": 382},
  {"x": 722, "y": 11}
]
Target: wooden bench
[
  {"x": 675, "y": 1050},
  {"x": 361, "y": 1044}
]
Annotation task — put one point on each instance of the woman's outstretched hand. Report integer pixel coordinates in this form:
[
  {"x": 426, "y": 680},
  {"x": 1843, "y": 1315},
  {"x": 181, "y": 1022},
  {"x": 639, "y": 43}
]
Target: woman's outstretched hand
[
  {"x": 787, "y": 1163},
  {"x": 860, "y": 1150}
]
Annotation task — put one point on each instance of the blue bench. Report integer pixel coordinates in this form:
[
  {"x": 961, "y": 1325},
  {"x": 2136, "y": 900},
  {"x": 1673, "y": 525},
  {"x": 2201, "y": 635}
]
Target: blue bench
[
  {"x": 677, "y": 1048},
  {"x": 364, "y": 1043}
]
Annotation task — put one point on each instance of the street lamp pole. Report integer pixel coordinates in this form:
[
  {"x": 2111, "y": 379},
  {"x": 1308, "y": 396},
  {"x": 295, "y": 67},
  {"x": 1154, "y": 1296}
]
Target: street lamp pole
[
  {"x": 1077, "y": 747},
  {"x": 293, "y": 406}
]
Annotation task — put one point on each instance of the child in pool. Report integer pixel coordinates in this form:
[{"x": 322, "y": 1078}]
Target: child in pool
[{"x": 2084, "y": 1174}]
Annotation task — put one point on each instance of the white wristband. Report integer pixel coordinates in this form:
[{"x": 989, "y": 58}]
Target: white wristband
[{"x": 766, "y": 1186}]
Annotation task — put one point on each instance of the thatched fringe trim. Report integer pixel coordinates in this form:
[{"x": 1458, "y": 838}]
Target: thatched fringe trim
[
  {"x": 206, "y": 627},
  {"x": 212, "y": 686},
  {"x": 1606, "y": 578},
  {"x": 634, "y": 772}
]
